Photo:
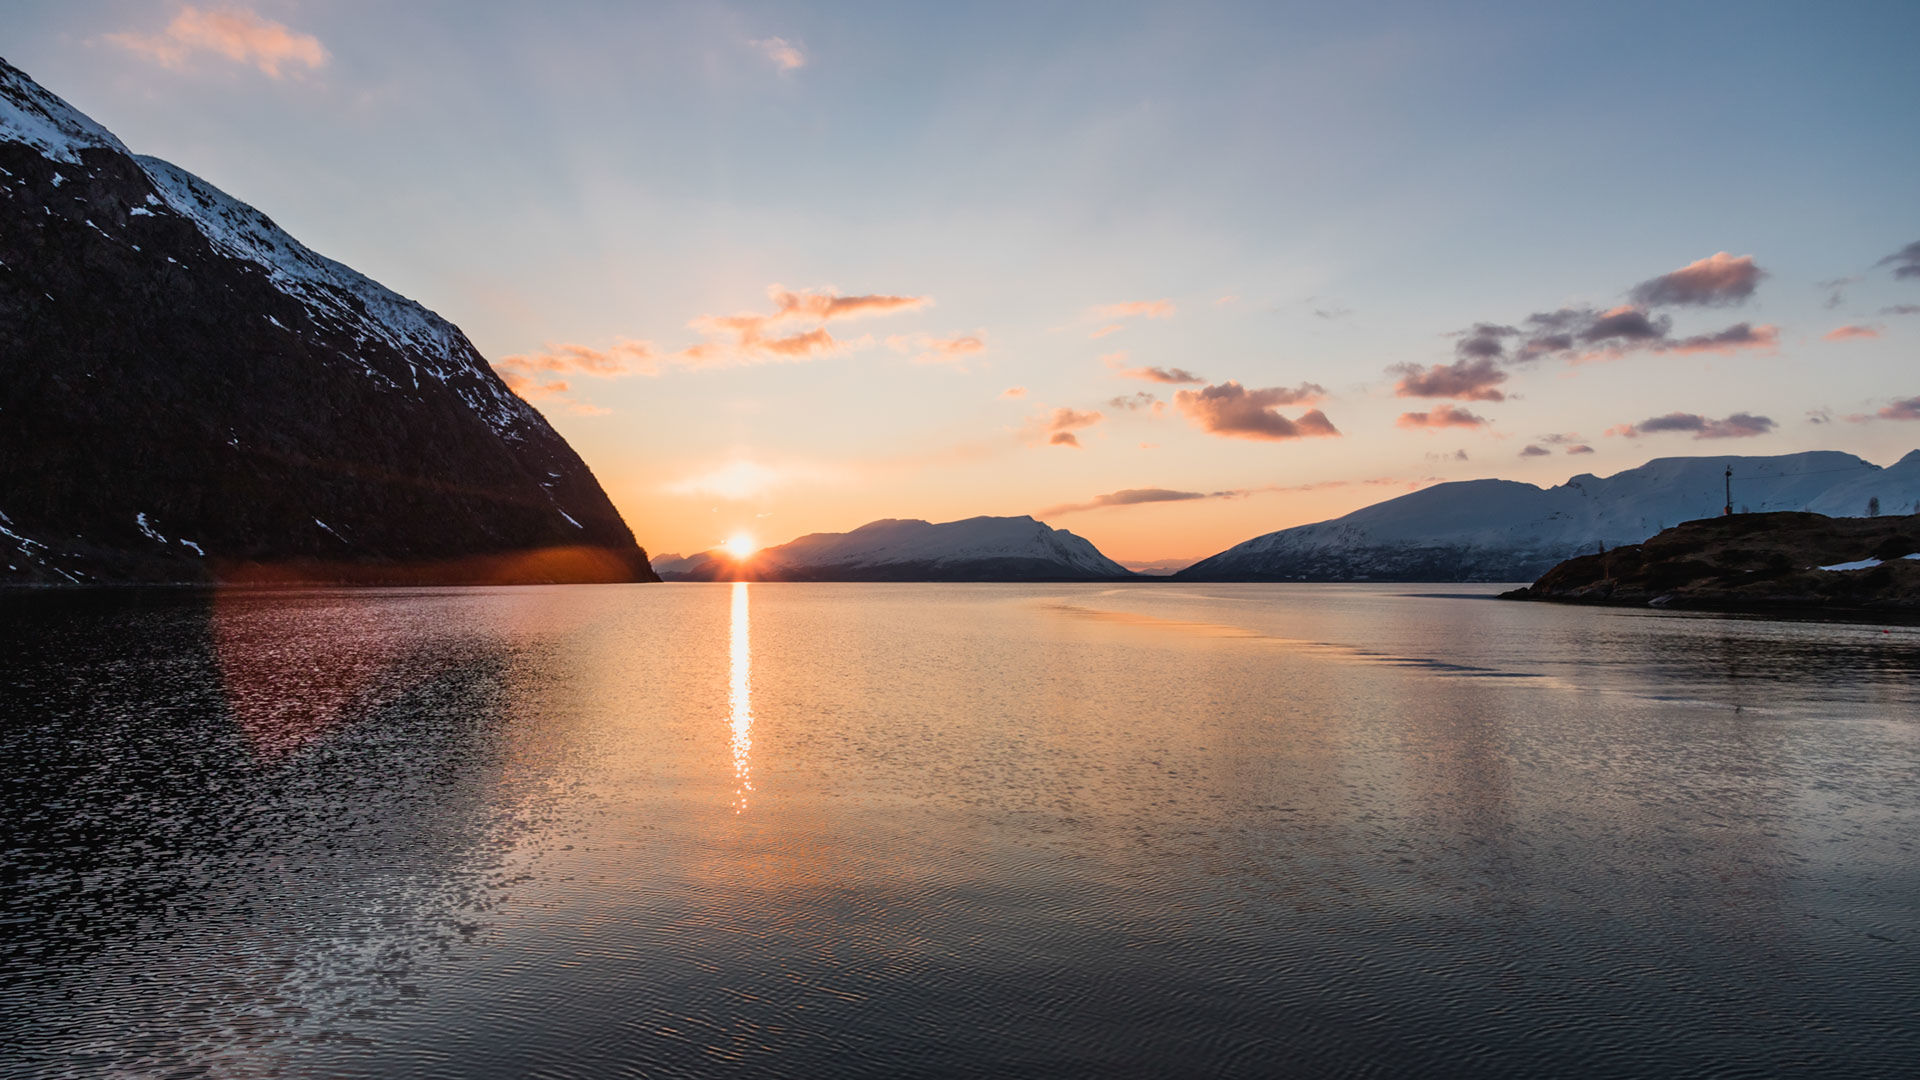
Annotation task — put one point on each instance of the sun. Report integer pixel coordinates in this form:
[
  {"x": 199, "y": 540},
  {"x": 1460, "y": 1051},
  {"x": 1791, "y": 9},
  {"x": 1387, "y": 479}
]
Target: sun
[{"x": 740, "y": 545}]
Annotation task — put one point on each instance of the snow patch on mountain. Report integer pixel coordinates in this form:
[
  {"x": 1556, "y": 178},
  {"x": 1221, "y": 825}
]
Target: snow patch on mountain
[
  {"x": 1506, "y": 530},
  {"x": 340, "y": 297},
  {"x": 30, "y": 114}
]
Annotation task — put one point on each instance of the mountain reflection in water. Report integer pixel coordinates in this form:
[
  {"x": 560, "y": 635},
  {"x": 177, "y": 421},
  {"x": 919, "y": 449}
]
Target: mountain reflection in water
[{"x": 961, "y": 829}]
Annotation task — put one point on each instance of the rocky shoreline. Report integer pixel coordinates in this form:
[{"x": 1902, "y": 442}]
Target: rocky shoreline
[{"x": 1751, "y": 562}]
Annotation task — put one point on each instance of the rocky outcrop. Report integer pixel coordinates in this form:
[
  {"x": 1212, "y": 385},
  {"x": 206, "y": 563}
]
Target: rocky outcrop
[
  {"x": 1751, "y": 562},
  {"x": 188, "y": 394}
]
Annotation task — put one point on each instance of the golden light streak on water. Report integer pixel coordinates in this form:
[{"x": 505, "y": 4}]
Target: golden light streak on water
[{"x": 740, "y": 700}]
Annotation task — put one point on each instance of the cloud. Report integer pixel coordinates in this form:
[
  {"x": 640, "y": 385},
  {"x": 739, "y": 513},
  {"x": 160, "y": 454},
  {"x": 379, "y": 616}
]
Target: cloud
[
  {"x": 737, "y": 340},
  {"x": 752, "y": 337},
  {"x": 1441, "y": 416},
  {"x": 784, "y": 54},
  {"x": 1234, "y": 411},
  {"x": 1132, "y": 497},
  {"x": 1173, "y": 376},
  {"x": 827, "y": 305},
  {"x": 1484, "y": 341},
  {"x": 235, "y": 33},
  {"x": 1105, "y": 330},
  {"x": 1738, "y": 426},
  {"x": 1568, "y": 439},
  {"x": 1059, "y": 426},
  {"x": 1471, "y": 380},
  {"x": 1137, "y": 401},
  {"x": 1908, "y": 409},
  {"x": 1836, "y": 289},
  {"x": 1625, "y": 324},
  {"x": 1905, "y": 262},
  {"x": 1851, "y": 331},
  {"x": 1715, "y": 281},
  {"x": 1901, "y": 309},
  {"x": 1532, "y": 450},
  {"x": 1737, "y": 336},
  {"x": 935, "y": 350},
  {"x": 1014, "y": 392},
  {"x": 1150, "y": 309}
]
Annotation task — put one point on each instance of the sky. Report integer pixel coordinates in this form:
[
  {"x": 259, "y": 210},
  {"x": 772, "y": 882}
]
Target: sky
[{"x": 1170, "y": 276}]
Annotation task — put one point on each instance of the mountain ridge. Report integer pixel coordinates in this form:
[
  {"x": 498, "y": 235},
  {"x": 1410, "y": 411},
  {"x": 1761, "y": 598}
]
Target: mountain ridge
[
  {"x": 1506, "y": 530},
  {"x": 983, "y": 548},
  {"x": 189, "y": 394}
]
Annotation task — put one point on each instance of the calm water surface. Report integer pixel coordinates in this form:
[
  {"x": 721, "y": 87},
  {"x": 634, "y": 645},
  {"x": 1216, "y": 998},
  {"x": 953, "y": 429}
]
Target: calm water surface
[{"x": 880, "y": 830}]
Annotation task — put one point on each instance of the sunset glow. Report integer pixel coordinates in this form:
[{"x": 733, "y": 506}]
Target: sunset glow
[
  {"x": 741, "y": 545},
  {"x": 749, "y": 272}
]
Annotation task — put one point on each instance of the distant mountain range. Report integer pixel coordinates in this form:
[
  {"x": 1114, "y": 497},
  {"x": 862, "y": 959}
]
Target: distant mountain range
[
  {"x": 187, "y": 393},
  {"x": 976, "y": 549},
  {"x": 1501, "y": 530}
]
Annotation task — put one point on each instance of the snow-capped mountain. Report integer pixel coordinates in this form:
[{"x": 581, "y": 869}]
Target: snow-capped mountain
[
  {"x": 1502, "y": 530},
  {"x": 188, "y": 393},
  {"x": 976, "y": 549}
]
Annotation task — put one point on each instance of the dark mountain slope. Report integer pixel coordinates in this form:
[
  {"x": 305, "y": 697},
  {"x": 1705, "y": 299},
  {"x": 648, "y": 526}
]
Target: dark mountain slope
[{"x": 189, "y": 394}]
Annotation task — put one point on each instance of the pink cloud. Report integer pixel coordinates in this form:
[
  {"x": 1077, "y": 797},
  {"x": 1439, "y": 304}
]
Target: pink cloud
[
  {"x": 1716, "y": 280},
  {"x": 1014, "y": 392},
  {"x": 1059, "y": 426},
  {"x": 1847, "y": 333},
  {"x": 1441, "y": 416},
  {"x": 1107, "y": 329},
  {"x": 1234, "y": 411},
  {"x": 235, "y": 33},
  {"x": 784, "y": 54},
  {"x": 1901, "y": 410},
  {"x": 1173, "y": 376},
  {"x": 1149, "y": 309}
]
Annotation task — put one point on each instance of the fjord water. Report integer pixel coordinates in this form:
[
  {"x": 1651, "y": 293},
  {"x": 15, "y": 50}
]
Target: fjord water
[{"x": 810, "y": 829}]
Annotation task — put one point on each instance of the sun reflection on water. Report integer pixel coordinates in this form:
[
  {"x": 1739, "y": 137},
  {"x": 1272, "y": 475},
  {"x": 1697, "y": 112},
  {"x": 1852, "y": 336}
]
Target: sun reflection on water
[{"x": 740, "y": 701}]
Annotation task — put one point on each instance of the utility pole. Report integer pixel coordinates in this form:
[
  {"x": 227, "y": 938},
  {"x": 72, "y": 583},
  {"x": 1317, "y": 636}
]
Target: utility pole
[{"x": 1728, "y": 512}]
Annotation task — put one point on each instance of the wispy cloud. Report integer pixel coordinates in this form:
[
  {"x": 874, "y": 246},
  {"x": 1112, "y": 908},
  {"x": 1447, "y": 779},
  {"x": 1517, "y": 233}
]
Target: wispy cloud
[
  {"x": 1057, "y": 428},
  {"x": 1234, "y": 411},
  {"x": 1014, "y": 392},
  {"x": 1136, "y": 401},
  {"x": 1441, "y": 416},
  {"x": 785, "y": 54},
  {"x": 1737, "y": 426},
  {"x": 1132, "y": 497},
  {"x": 1148, "y": 309},
  {"x": 1738, "y": 336},
  {"x": 1851, "y": 332},
  {"x": 1908, "y": 409},
  {"x": 235, "y": 33},
  {"x": 1174, "y": 376},
  {"x": 1715, "y": 281},
  {"x": 1905, "y": 262},
  {"x": 1112, "y": 317},
  {"x": 938, "y": 350},
  {"x": 734, "y": 341}
]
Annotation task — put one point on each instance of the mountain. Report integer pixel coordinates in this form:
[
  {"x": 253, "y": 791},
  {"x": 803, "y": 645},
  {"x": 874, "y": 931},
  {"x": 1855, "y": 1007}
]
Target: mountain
[
  {"x": 187, "y": 393},
  {"x": 1501, "y": 530},
  {"x": 976, "y": 549}
]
